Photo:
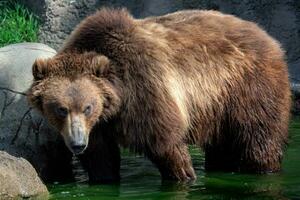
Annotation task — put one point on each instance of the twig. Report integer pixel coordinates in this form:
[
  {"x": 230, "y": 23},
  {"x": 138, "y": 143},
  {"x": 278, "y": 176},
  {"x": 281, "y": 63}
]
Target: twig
[
  {"x": 13, "y": 91},
  {"x": 20, "y": 126}
]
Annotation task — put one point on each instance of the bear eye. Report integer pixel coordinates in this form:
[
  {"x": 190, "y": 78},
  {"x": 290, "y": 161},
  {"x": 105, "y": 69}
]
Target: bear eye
[
  {"x": 62, "y": 112},
  {"x": 88, "y": 110}
]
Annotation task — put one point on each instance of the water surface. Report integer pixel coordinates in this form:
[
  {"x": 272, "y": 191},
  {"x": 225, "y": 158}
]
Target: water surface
[{"x": 140, "y": 180}]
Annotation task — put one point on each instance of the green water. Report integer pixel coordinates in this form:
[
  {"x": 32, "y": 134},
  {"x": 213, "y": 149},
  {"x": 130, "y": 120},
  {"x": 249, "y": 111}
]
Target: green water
[{"x": 140, "y": 180}]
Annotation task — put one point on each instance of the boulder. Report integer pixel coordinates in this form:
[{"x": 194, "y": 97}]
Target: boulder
[
  {"x": 19, "y": 180},
  {"x": 23, "y": 131}
]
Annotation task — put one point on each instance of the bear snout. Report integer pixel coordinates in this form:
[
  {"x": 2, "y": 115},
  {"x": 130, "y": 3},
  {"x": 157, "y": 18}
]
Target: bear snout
[
  {"x": 75, "y": 136},
  {"x": 78, "y": 141},
  {"x": 77, "y": 145},
  {"x": 78, "y": 148}
]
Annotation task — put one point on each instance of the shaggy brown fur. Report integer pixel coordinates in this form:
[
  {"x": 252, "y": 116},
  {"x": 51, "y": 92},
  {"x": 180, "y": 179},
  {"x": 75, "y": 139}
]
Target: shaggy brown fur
[{"x": 198, "y": 77}]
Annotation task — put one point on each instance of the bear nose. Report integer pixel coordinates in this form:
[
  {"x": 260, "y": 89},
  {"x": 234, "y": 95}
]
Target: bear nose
[{"x": 78, "y": 148}]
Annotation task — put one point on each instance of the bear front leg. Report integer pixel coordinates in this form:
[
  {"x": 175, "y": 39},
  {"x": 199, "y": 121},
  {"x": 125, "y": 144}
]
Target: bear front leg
[
  {"x": 102, "y": 158},
  {"x": 102, "y": 166},
  {"x": 159, "y": 129},
  {"x": 174, "y": 162},
  {"x": 57, "y": 152}
]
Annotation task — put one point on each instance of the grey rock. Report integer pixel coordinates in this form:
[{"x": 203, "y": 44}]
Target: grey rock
[
  {"x": 295, "y": 87},
  {"x": 19, "y": 180},
  {"x": 59, "y": 17},
  {"x": 16, "y": 61},
  {"x": 295, "y": 74},
  {"x": 23, "y": 131}
]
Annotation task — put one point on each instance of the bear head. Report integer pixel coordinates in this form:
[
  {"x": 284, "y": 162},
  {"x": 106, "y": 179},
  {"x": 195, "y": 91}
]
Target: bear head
[{"x": 73, "y": 92}]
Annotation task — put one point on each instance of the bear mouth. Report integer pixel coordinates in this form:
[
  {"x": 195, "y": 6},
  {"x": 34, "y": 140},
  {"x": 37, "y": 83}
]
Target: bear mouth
[{"x": 78, "y": 149}]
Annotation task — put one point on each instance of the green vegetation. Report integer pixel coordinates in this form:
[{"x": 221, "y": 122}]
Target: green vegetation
[{"x": 17, "y": 24}]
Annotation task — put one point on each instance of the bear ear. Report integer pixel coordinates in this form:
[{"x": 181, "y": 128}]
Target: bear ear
[
  {"x": 100, "y": 65},
  {"x": 39, "y": 69},
  {"x": 35, "y": 94}
]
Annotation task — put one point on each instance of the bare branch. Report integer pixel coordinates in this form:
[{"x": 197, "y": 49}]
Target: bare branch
[
  {"x": 20, "y": 126},
  {"x": 6, "y": 103},
  {"x": 13, "y": 91}
]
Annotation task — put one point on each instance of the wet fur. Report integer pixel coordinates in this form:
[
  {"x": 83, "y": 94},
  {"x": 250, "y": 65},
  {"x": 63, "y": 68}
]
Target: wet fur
[{"x": 198, "y": 77}]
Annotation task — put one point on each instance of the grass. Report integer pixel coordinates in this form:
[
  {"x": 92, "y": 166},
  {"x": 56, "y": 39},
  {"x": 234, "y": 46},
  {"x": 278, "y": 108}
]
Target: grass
[{"x": 17, "y": 24}]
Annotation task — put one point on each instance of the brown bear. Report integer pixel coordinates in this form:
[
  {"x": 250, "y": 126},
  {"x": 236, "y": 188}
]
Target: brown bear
[{"x": 157, "y": 84}]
